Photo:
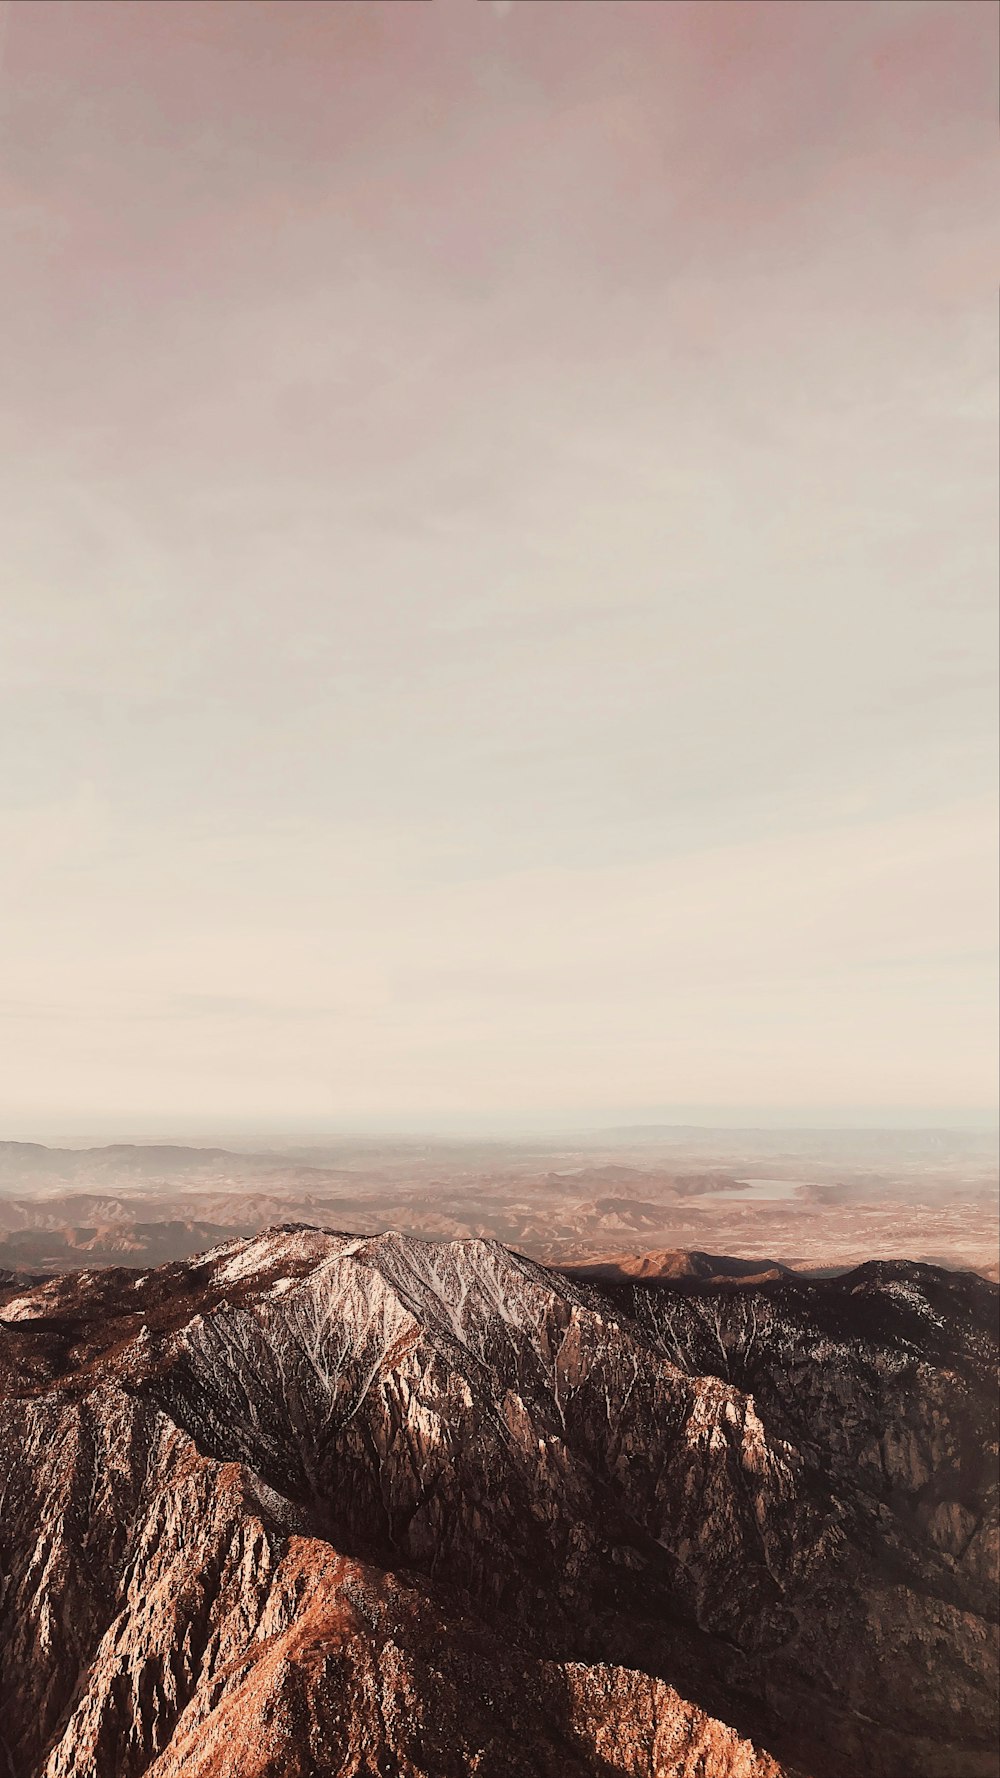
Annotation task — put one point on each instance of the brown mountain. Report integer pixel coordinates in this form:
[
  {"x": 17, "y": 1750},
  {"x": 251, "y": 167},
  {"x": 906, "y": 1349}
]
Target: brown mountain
[
  {"x": 678, "y": 1264},
  {"x": 315, "y": 1504}
]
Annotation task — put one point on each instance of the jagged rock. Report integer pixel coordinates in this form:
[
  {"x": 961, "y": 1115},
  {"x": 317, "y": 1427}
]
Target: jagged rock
[{"x": 315, "y": 1503}]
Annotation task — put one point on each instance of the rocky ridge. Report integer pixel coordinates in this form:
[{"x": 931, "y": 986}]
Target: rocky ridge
[{"x": 316, "y": 1503}]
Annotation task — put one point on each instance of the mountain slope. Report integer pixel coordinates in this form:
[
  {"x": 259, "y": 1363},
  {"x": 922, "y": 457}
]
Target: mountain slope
[{"x": 315, "y": 1503}]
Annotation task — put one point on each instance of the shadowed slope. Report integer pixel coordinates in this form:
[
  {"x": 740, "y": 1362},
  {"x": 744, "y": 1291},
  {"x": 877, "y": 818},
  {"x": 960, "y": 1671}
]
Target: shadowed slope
[{"x": 315, "y": 1498}]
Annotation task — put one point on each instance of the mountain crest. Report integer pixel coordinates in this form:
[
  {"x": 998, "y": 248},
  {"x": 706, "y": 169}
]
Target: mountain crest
[{"x": 383, "y": 1498}]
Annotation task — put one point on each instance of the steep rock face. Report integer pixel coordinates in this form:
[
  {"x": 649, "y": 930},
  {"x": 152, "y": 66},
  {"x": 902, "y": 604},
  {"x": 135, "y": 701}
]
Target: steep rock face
[{"x": 315, "y": 1503}]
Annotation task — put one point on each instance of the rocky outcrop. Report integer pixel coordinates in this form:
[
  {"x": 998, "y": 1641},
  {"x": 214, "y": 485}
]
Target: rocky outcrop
[{"x": 314, "y": 1503}]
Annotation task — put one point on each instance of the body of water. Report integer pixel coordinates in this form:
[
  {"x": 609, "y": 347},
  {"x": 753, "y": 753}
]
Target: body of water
[{"x": 758, "y": 1191}]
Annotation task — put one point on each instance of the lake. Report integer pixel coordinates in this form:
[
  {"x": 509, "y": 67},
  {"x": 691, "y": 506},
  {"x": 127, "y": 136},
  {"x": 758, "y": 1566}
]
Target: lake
[{"x": 759, "y": 1191}]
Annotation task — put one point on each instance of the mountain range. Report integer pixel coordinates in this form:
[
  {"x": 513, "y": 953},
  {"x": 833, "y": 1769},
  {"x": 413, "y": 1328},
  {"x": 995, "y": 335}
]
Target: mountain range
[{"x": 315, "y": 1503}]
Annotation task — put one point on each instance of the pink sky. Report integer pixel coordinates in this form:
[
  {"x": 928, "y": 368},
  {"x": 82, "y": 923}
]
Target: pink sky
[{"x": 485, "y": 488}]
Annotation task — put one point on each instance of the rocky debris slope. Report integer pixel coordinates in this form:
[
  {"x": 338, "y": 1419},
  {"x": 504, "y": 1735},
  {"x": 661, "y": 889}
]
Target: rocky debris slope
[{"x": 315, "y": 1504}]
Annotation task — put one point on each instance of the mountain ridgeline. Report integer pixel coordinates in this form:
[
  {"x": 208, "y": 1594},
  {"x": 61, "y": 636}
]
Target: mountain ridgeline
[{"x": 315, "y": 1504}]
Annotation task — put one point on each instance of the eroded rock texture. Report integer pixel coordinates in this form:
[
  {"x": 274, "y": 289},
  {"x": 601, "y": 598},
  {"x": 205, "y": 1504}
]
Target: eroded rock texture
[{"x": 314, "y": 1504}]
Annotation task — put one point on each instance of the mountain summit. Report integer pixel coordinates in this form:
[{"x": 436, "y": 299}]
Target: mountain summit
[{"x": 317, "y": 1504}]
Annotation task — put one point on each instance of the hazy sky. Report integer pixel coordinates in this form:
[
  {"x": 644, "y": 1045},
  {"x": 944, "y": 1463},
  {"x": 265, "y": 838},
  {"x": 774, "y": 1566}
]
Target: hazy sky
[{"x": 499, "y": 558}]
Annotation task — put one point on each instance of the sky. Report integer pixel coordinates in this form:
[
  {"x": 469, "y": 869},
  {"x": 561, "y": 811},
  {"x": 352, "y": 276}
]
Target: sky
[{"x": 498, "y": 553}]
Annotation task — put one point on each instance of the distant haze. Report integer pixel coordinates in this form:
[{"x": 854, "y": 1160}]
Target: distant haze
[{"x": 498, "y": 544}]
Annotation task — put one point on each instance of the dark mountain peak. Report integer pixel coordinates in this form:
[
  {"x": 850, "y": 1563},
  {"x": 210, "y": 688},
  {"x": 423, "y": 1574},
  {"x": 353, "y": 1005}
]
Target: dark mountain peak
[{"x": 317, "y": 1501}]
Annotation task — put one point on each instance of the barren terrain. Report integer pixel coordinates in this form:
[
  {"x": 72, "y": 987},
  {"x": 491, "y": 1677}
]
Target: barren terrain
[
  {"x": 806, "y": 1199},
  {"x": 317, "y": 1503}
]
